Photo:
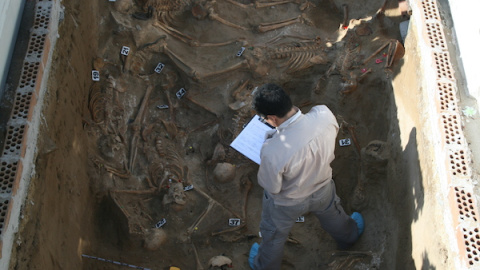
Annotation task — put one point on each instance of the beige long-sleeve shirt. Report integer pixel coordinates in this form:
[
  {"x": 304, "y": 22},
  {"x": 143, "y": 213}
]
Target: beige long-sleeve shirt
[{"x": 296, "y": 157}]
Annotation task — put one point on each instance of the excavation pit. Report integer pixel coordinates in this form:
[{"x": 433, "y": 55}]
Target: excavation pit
[{"x": 132, "y": 165}]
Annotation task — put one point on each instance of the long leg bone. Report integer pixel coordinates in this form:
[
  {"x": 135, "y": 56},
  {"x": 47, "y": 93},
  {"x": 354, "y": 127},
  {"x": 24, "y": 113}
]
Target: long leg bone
[
  {"x": 229, "y": 230},
  {"x": 139, "y": 192},
  {"x": 171, "y": 108},
  {"x": 214, "y": 201},
  {"x": 191, "y": 41},
  {"x": 200, "y": 218},
  {"x": 199, "y": 104},
  {"x": 148, "y": 45},
  {"x": 265, "y": 27},
  {"x": 211, "y": 202},
  {"x": 271, "y": 4},
  {"x": 247, "y": 187},
  {"x": 241, "y": 40},
  {"x": 303, "y": 39},
  {"x": 202, "y": 126},
  {"x": 239, "y": 65},
  {"x": 173, "y": 32},
  {"x": 124, "y": 211},
  {"x": 259, "y": 4},
  {"x": 118, "y": 172},
  {"x": 197, "y": 259},
  {"x": 233, "y": 2},
  {"x": 136, "y": 125},
  {"x": 179, "y": 62},
  {"x": 214, "y": 16}
]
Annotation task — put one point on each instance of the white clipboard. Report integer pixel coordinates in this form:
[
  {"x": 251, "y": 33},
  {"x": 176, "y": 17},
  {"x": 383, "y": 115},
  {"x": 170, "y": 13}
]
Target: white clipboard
[{"x": 249, "y": 142}]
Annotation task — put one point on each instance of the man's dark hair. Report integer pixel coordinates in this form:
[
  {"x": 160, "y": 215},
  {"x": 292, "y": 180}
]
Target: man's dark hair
[{"x": 271, "y": 99}]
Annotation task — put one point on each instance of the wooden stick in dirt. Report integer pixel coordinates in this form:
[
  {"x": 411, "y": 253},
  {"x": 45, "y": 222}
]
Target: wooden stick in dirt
[
  {"x": 345, "y": 16},
  {"x": 376, "y": 52},
  {"x": 391, "y": 48}
]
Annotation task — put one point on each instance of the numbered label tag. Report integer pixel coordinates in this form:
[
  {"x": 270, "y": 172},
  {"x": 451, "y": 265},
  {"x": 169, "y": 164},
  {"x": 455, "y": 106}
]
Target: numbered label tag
[
  {"x": 125, "y": 50},
  {"x": 181, "y": 93},
  {"x": 234, "y": 222},
  {"x": 187, "y": 188},
  {"x": 345, "y": 142},
  {"x": 300, "y": 219},
  {"x": 162, "y": 106},
  {"x": 95, "y": 75},
  {"x": 240, "y": 52},
  {"x": 112, "y": 0},
  {"x": 159, "y": 68},
  {"x": 161, "y": 223}
]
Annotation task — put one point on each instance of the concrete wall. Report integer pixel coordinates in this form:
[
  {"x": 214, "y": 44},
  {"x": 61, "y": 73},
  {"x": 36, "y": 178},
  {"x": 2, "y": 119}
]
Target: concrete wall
[
  {"x": 10, "y": 16},
  {"x": 422, "y": 190},
  {"x": 443, "y": 221}
]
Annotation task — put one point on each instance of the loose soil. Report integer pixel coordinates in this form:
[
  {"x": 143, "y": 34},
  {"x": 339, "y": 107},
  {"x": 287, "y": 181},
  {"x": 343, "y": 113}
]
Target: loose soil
[{"x": 112, "y": 164}]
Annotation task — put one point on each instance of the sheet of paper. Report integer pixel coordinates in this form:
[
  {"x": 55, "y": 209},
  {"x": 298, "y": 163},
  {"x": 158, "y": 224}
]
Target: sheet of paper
[{"x": 249, "y": 142}]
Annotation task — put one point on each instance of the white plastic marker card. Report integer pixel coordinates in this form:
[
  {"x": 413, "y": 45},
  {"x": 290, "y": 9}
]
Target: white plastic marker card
[
  {"x": 95, "y": 75},
  {"x": 249, "y": 142},
  {"x": 125, "y": 50},
  {"x": 159, "y": 67}
]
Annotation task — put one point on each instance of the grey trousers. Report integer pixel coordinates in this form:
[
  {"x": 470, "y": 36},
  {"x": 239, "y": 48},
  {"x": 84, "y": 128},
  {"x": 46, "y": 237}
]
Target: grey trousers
[{"x": 277, "y": 221}]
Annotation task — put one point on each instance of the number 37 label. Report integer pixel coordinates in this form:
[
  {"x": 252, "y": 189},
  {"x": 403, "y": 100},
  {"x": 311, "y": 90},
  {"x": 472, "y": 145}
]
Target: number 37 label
[{"x": 234, "y": 222}]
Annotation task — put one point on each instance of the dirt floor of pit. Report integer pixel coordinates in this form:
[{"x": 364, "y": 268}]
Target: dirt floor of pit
[{"x": 107, "y": 151}]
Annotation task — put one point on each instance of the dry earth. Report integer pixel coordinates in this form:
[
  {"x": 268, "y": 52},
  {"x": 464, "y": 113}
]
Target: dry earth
[{"x": 112, "y": 164}]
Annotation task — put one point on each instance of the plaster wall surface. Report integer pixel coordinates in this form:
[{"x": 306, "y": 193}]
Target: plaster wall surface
[
  {"x": 467, "y": 31},
  {"x": 421, "y": 159},
  {"x": 10, "y": 15}
]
